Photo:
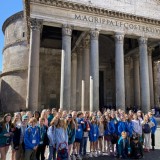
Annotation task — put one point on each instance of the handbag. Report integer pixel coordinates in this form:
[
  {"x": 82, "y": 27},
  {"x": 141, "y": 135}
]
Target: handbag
[{"x": 62, "y": 153}]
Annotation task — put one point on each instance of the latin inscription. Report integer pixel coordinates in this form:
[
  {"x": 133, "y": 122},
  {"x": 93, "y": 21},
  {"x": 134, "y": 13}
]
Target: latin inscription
[{"x": 115, "y": 23}]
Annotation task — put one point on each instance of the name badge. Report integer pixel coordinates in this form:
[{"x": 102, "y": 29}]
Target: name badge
[
  {"x": 33, "y": 141},
  {"x": 41, "y": 142},
  {"x": 94, "y": 135}
]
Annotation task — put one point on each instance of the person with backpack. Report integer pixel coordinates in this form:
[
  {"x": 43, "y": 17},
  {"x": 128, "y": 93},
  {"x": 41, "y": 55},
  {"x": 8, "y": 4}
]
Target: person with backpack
[
  {"x": 61, "y": 140},
  {"x": 31, "y": 140},
  {"x": 153, "y": 129},
  {"x": 146, "y": 127}
]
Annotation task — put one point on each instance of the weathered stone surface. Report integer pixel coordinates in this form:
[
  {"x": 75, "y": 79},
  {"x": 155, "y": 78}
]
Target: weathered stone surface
[{"x": 15, "y": 65}]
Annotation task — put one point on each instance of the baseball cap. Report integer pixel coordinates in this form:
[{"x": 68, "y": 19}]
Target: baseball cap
[{"x": 24, "y": 117}]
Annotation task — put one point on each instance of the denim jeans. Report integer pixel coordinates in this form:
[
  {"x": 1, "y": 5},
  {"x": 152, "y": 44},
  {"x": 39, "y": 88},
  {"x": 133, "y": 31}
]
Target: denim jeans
[
  {"x": 85, "y": 139},
  {"x": 52, "y": 153}
]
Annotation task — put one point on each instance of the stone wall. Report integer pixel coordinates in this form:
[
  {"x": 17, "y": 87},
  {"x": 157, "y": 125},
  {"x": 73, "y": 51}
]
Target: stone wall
[
  {"x": 50, "y": 78},
  {"x": 15, "y": 65}
]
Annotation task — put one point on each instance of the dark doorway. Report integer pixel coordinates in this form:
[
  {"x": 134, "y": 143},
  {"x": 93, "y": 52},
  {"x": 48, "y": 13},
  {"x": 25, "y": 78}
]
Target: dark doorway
[{"x": 101, "y": 89}]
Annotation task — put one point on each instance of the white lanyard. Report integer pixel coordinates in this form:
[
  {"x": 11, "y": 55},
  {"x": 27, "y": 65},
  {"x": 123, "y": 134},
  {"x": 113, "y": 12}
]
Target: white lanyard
[
  {"x": 41, "y": 132},
  {"x": 33, "y": 135},
  {"x": 7, "y": 127}
]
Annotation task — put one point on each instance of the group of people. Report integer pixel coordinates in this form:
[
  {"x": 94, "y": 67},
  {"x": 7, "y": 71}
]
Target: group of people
[{"x": 67, "y": 134}]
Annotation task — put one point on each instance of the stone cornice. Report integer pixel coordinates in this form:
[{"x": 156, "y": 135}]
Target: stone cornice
[
  {"x": 11, "y": 20},
  {"x": 18, "y": 42},
  {"x": 99, "y": 11},
  {"x": 18, "y": 70}
]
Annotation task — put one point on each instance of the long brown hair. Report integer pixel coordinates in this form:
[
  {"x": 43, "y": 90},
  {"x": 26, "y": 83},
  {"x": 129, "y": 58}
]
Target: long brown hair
[{"x": 3, "y": 121}]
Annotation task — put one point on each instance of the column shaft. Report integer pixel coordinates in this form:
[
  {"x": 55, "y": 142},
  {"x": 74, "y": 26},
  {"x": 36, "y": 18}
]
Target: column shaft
[
  {"x": 65, "y": 93},
  {"x": 137, "y": 94},
  {"x": 94, "y": 70},
  {"x": 85, "y": 75},
  {"x": 33, "y": 67},
  {"x": 144, "y": 75},
  {"x": 156, "y": 87},
  {"x": 79, "y": 79},
  {"x": 119, "y": 69},
  {"x": 127, "y": 81},
  {"x": 150, "y": 66},
  {"x": 74, "y": 81}
]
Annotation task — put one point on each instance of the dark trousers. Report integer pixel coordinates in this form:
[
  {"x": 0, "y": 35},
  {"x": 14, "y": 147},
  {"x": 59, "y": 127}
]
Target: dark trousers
[
  {"x": 153, "y": 139},
  {"x": 40, "y": 152},
  {"x": 84, "y": 145}
]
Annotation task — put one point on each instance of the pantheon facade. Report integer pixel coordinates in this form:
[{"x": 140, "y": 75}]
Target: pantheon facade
[{"x": 82, "y": 55}]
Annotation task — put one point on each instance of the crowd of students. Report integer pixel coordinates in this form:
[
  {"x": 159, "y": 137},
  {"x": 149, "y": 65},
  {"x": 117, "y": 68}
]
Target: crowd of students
[{"x": 67, "y": 134}]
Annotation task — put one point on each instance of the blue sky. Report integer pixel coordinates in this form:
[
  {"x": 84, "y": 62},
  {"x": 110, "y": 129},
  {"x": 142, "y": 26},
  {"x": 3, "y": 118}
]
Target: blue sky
[{"x": 7, "y": 8}]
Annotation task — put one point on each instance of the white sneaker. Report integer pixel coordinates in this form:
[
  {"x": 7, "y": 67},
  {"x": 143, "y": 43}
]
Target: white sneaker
[
  {"x": 79, "y": 157},
  {"x": 69, "y": 157},
  {"x": 95, "y": 154},
  {"x": 73, "y": 157},
  {"x": 90, "y": 155}
]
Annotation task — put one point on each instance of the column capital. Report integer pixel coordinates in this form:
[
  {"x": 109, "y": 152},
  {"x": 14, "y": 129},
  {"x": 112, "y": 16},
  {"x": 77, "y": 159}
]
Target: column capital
[
  {"x": 119, "y": 37},
  {"x": 85, "y": 42},
  {"x": 74, "y": 55},
  {"x": 135, "y": 57},
  {"x": 127, "y": 60},
  {"x": 142, "y": 40},
  {"x": 36, "y": 24},
  {"x": 150, "y": 51},
  {"x": 94, "y": 34},
  {"x": 66, "y": 30}
]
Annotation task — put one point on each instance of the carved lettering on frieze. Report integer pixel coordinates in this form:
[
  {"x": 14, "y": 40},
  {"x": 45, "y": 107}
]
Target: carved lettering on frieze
[{"x": 118, "y": 24}]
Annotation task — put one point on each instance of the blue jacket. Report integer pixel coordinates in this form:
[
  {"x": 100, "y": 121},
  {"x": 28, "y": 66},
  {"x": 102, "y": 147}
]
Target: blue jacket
[
  {"x": 109, "y": 128},
  {"x": 122, "y": 126},
  {"x": 153, "y": 129},
  {"x": 123, "y": 150},
  {"x": 80, "y": 128},
  {"x": 93, "y": 133},
  {"x": 31, "y": 137},
  {"x": 129, "y": 128},
  {"x": 115, "y": 124}
]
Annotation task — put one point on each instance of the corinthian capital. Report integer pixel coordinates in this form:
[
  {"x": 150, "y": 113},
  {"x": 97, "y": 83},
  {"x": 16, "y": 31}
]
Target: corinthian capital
[
  {"x": 66, "y": 30},
  {"x": 127, "y": 60},
  {"x": 142, "y": 41},
  {"x": 150, "y": 50},
  {"x": 94, "y": 34},
  {"x": 36, "y": 24},
  {"x": 119, "y": 37},
  {"x": 85, "y": 42}
]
